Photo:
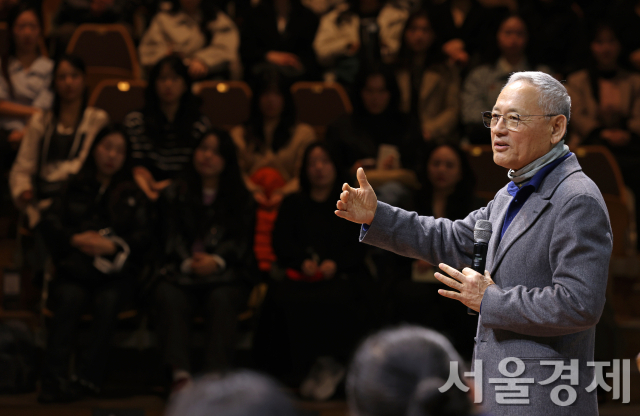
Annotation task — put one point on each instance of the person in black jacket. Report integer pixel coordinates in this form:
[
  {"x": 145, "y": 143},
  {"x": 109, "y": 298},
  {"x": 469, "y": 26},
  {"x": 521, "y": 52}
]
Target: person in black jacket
[
  {"x": 277, "y": 35},
  {"x": 208, "y": 263},
  {"x": 165, "y": 132},
  {"x": 447, "y": 192},
  {"x": 379, "y": 137},
  {"x": 317, "y": 299},
  {"x": 96, "y": 232}
]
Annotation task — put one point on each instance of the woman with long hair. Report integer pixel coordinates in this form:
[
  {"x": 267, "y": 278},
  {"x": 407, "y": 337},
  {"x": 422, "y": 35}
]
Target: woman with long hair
[
  {"x": 378, "y": 136},
  {"x": 165, "y": 132},
  {"x": 205, "y": 37},
  {"x": 484, "y": 83},
  {"x": 447, "y": 191},
  {"x": 26, "y": 73},
  {"x": 277, "y": 36},
  {"x": 428, "y": 88},
  {"x": 273, "y": 139},
  {"x": 315, "y": 304},
  {"x": 56, "y": 142},
  {"x": 270, "y": 149},
  {"x": 207, "y": 263},
  {"x": 96, "y": 232},
  {"x": 605, "y": 102}
]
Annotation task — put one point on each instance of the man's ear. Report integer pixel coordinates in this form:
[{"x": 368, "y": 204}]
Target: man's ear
[{"x": 558, "y": 128}]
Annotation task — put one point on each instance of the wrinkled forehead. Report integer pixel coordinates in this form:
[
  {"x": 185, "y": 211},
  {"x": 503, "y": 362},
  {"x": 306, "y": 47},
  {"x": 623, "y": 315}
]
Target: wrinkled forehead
[{"x": 518, "y": 97}]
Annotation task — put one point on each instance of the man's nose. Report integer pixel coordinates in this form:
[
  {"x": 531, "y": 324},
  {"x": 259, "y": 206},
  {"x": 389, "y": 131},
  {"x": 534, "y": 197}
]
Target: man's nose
[{"x": 500, "y": 127}]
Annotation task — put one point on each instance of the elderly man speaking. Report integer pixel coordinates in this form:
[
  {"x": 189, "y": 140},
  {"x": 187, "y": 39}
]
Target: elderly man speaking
[{"x": 547, "y": 260}]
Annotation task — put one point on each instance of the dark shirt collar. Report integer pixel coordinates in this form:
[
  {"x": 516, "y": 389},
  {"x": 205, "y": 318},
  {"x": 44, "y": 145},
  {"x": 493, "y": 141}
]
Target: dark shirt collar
[{"x": 537, "y": 179}]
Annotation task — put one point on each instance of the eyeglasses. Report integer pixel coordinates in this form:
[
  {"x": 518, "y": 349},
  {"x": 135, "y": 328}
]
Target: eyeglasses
[{"x": 511, "y": 120}]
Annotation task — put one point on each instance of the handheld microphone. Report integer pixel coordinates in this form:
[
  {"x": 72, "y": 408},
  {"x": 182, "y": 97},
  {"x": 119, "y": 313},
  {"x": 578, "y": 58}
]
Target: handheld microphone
[{"x": 481, "y": 236}]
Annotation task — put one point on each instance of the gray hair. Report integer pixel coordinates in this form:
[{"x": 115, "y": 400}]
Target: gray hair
[{"x": 554, "y": 98}]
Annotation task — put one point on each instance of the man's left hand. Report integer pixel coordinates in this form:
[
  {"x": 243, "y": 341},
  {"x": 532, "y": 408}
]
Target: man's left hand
[{"x": 469, "y": 283}]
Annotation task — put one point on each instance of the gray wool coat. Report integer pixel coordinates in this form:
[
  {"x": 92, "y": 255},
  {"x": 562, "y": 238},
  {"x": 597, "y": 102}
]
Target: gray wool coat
[{"x": 550, "y": 271}]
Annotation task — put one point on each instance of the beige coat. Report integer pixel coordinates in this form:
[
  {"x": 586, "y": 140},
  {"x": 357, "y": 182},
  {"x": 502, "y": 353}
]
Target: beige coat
[
  {"x": 439, "y": 102},
  {"x": 25, "y": 167},
  {"x": 178, "y": 32},
  {"x": 585, "y": 109},
  {"x": 287, "y": 160},
  {"x": 332, "y": 39}
]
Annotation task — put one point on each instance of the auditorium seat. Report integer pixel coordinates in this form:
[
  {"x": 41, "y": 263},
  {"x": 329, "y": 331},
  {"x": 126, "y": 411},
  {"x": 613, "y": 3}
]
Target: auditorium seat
[
  {"x": 599, "y": 164},
  {"x": 226, "y": 103},
  {"x": 320, "y": 103},
  {"x": 118, "y": 97},
  {"x": 107, "y": 50}
]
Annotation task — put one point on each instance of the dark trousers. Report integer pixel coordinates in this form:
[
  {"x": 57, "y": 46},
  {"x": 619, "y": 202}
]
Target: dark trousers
[
  {"x": 302, "y": 321},
  {"x": 219, "y": 305},
  {"x": 419, "y": 303},
  {"x": 68, "y": 300}
]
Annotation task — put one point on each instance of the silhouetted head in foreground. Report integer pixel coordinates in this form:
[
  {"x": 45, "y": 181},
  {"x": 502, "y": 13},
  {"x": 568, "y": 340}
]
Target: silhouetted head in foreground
[
  {"x": 398, "y": 372},
  {"x": 241, "y": 393}
]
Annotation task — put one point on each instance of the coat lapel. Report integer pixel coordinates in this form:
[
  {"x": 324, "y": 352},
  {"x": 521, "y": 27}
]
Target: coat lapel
[
  {"x": 527, "y": 216},
  {"x": 503, "y": 199}
]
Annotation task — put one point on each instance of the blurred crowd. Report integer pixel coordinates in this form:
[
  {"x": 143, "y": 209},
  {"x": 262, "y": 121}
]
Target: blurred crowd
[{"x": 166, "y": 211}]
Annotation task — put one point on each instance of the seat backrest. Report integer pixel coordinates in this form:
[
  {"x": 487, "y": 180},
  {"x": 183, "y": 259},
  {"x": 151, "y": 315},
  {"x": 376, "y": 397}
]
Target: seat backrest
[
  {"x": 105, "y": 46},
  {"x": 118, "y": 97},
  {"x": 599, "y": 164},
  {"x": 320, "y": 103},
  {"x": 490, "y": 178},
  {"x": 225, "y": 103}
]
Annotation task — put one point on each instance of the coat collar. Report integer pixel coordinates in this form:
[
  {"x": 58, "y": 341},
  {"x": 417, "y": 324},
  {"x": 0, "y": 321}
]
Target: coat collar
[{"x": 530, "y": 212}]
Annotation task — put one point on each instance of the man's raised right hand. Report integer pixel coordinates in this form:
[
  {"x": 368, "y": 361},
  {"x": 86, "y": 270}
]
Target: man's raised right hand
[{"x": 357, "y": 205}]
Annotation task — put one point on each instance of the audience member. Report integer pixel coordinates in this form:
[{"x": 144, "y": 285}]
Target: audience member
[
  {"x": 26, "y": 79},
  {"x": 447, "y": 192},
  {"x": 96, "y": 233},
  {"x": 201, "y": 34},
  {"x": 358, "y": 33},
  {"x": 627, "y": 25},
  {"x": 56, "y": 142},
  {"x": 558, "y": 36},
  {"x": 240, "y": 393},
  {"x": 317, "y": 300},
  {"x": 165, "y": 132},
  {"x": 606, "y": 105},
  {"x": 429, "y": 89},
  {"x": 73, "y": 13},
  {"x": 270, "y": 149},
  {"x": 277, "y": 34},
  {"x": 377, "y": 135},
  {"x": 483, "y": 84},
  {"x": 271, "y": 145},
  {"x": 398, "y": 372},
  {"x": 207, "y": 264},
  {"x": 464, "y": 28}
]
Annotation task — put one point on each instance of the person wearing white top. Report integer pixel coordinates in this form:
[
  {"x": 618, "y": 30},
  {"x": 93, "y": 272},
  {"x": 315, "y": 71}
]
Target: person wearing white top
[{"x": 205, "y": 37}]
